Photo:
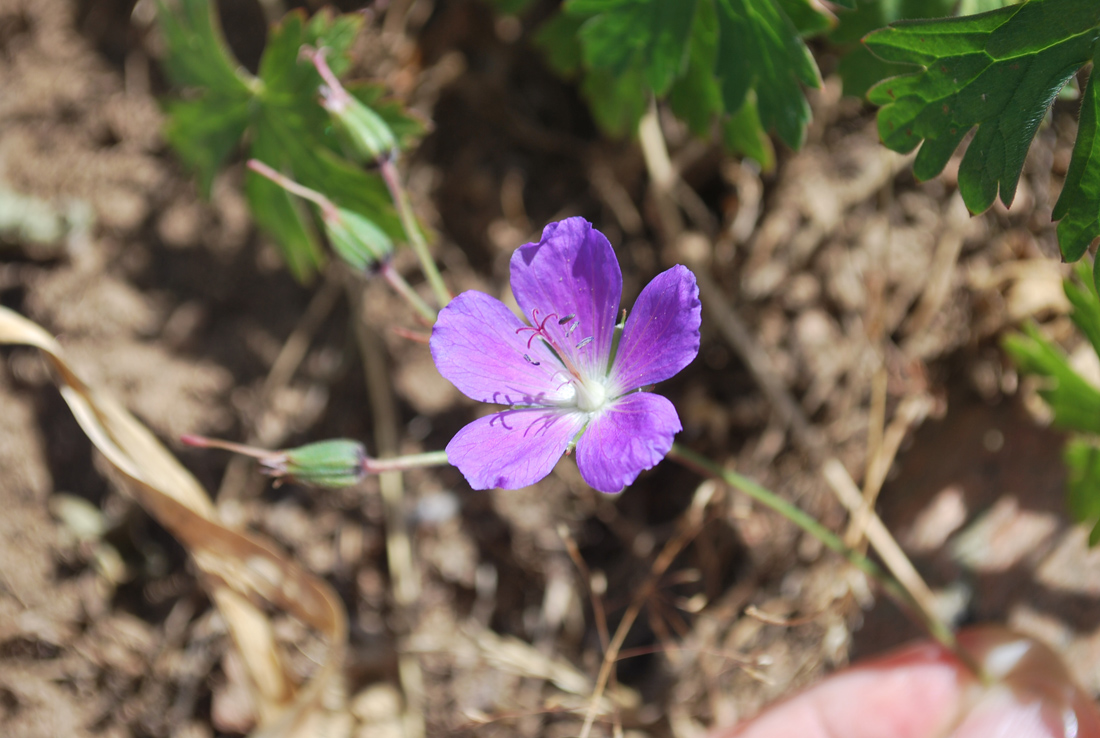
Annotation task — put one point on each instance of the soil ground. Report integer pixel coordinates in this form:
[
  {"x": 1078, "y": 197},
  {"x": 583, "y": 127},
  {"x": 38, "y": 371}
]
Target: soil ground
[{"x": 874, "y": 300}]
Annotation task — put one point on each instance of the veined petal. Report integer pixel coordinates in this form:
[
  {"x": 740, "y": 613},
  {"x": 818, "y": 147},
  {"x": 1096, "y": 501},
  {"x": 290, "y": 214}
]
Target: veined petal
[
  {"x": 514, "y": 448},
  {"x": 476, "y": 346},
  {"x": 661, "y": 336},
  {"x": 633, "y": 433},
  {"x": 572, "y": 271}
]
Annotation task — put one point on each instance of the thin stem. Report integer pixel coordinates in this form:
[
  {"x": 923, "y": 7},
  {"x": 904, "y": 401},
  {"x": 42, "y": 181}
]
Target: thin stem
[
  {"x": 401, "y": 287},
  {"x": 237, "y": 448},
  {"x": 416, "y": 238},
  {"x": 937, "y": 629},
  {"x": 291, "y": 186},
  {"x": 401, "y": 463}
]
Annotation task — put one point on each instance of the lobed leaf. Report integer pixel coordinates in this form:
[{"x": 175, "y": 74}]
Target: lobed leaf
[
  {"x": 743, "y": 134},
  {"x": 1082, "y": 295},
  {"x": 808, "y": 17},
  {"x": 1074, "y": 401},
  {"x": 649, "y": 34},
  {"x": 279, "y": 111},
  {"x": 617, "y": 101},
  {"x": 705, "y": 55},
  {"x": 279, "y": 214},
  {"x": 558, "y": 39},
  {"x": 759, "y": 49},
  {"x": 696, "y": 96},
  {"x": 859, "y": 69},
  {"x": 997, "y": 71},
  {"x": 204, "y": 131},
  {"x": 197, "y": 55},
  {"x": 1078, "y": 207},
  {"x": 1082, "y": 460}
]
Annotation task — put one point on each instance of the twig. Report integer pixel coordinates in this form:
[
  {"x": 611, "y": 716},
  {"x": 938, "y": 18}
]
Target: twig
[
  {"x": 911, "y": 412},
  {"x": 876, "y": 427},
  {"x": 918, "y": 593}
]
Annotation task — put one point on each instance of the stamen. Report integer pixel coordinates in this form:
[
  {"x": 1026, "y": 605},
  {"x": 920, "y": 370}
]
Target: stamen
[
  {"x": 538, "y": 330},
  {"x": 586, "y": 341}
]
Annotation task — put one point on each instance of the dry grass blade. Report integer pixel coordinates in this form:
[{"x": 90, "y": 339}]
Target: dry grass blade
[
  {"x": 883, "y": 542},
  {"x": 238, "y": 568}
]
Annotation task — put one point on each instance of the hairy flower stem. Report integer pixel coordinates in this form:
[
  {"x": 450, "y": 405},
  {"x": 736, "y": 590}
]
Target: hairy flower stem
[
  {"x": 401, "y": 287},
  {"x": 416, "y": 238},
  {"x": 936, "y": 628},
  {"x": 291, "y": 186},
  {"x": 401, "y": 463}
]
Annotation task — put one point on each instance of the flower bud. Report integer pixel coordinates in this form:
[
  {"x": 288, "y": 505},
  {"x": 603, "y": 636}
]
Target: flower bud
[
  {"x": 356, "y": 239},
  {"x": 369, "y": 136},
  {"x": 334, "y": 463}
]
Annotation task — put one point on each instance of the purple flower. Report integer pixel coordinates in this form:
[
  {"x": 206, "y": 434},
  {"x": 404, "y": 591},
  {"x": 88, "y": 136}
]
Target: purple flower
[{"x": 571, "y": 377}]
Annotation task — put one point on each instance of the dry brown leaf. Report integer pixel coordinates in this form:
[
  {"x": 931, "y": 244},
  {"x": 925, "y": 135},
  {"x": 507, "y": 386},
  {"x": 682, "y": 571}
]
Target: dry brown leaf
[{"x": 239, "y": 569}]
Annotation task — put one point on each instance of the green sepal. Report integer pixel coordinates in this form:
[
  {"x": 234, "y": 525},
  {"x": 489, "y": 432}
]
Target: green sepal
[
  {"x": 368, "y": 137},
  {"x": 334, "y": 463},
  {"x": 356, "y": 239}
]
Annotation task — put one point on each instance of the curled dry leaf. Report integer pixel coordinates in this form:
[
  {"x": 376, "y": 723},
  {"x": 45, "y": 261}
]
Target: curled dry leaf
[{"x": 238, "y": 569}]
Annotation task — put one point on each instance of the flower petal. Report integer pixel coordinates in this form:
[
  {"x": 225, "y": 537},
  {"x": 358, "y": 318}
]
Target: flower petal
[
  {"x": 661, "y": 336},
  {"x": 632, "y": 434},
  {"x": 475, "y": 345},
  {"x": 514, "y": 448},
  {"x": 572, "y": 271}
]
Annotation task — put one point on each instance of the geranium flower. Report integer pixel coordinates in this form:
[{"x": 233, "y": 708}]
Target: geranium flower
[{"x": 570, "y": 378}]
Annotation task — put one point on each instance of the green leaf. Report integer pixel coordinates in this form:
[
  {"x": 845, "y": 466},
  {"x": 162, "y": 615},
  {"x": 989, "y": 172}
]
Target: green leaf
[
  {"x": 622, "y": 34},
  {"x": 197, "y": 55},
  {"x": 743, "y": 134},
  {"x": 617, "y": 101},
  {"x": 510, "y": 7},
  {"x": 759, "y": 49},
  {"x": 204, "y": 131},
  {"x": 279, "y": 111},
  {"x": 998, "y": 71},
  {"x": 859, "y": 69},
  {"x": 696, "y": 96},
  {"x": 289, "y": 80},
  {"x": 282, "y": 216},
  {"x": 558, "y": 39},
  {"x": 808, "y": 17},
  {"x": 1078, "y": 207},
  {"x": 1081, "y": 293},
  {"x": 973, "y": 7},
  {"x": 1075, "y": 402},
  {"x": 1082, "y": 460}
]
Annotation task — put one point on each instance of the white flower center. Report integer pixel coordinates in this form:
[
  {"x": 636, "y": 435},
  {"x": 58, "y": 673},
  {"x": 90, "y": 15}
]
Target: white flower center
[{"x": 591, "y": 394}]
